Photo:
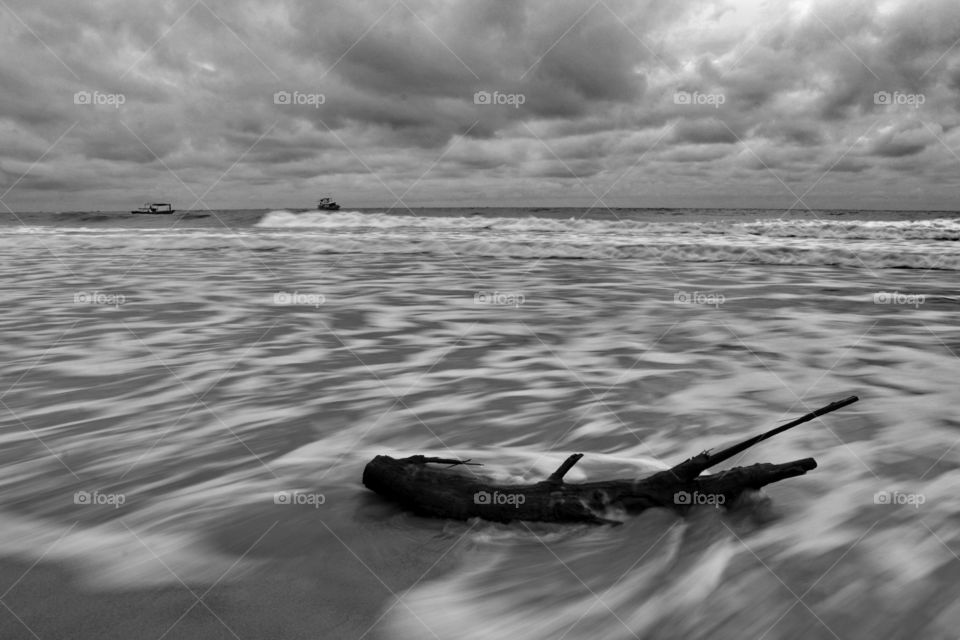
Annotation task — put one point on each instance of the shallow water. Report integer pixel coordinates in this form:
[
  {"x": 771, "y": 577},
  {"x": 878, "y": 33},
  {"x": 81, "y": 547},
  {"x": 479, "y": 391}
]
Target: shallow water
[{"x": 187, "y": 374}]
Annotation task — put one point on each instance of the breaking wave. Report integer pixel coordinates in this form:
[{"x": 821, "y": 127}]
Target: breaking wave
[{"x": 868, "y": 244}]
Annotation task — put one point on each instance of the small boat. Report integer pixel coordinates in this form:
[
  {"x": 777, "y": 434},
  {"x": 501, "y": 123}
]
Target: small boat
[
  {"x": 327, "y": 204},
  {"x": 157, "y": 207}
]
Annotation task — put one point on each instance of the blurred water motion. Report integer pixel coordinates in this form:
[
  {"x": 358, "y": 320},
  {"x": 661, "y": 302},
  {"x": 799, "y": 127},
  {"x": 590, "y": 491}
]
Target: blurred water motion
[{"x": 161, "y": 388}]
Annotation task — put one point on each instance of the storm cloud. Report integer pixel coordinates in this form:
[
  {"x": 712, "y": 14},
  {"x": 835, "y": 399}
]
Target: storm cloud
[{"x": 494, "y": 102}]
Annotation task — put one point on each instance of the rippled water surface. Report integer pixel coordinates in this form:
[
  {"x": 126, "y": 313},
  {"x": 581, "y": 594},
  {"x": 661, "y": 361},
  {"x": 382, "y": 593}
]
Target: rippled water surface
[{"x": 180, "y": 374}]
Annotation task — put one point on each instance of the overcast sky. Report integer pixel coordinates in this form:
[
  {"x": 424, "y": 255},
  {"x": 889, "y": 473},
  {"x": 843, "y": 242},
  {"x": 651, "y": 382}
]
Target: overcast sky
[{"x": 249, "y": 104}]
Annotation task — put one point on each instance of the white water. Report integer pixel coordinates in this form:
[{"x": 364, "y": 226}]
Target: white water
[{"x": 869, "y": 244}]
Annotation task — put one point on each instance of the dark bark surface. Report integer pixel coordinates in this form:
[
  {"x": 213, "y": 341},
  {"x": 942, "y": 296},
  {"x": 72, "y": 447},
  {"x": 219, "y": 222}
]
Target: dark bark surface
[
  {"x": 421, "y": 485},
  {"x": 417, "y": 484}
]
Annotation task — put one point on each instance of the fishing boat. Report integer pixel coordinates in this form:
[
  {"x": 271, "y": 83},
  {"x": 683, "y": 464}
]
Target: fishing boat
[
  {"x": 157, "y": 208},
  {"x": 327, "y": 204}
]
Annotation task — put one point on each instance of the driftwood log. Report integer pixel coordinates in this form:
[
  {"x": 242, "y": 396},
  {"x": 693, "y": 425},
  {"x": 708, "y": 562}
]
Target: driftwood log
[{"x": 417, "y": 484}]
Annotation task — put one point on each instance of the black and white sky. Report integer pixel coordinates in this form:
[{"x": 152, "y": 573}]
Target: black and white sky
[{"x": 686, "y": 103}]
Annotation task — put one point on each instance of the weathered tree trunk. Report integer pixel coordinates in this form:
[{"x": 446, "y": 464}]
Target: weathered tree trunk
[{"x": 431, "y": 491}]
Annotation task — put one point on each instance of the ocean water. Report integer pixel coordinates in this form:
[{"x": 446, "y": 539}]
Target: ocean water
[{"x": 165, "y": 378}]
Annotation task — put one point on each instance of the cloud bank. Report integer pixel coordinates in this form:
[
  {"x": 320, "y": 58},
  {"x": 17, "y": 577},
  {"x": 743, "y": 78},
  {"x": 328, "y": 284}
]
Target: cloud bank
[{"x": 223, "y": 104}]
